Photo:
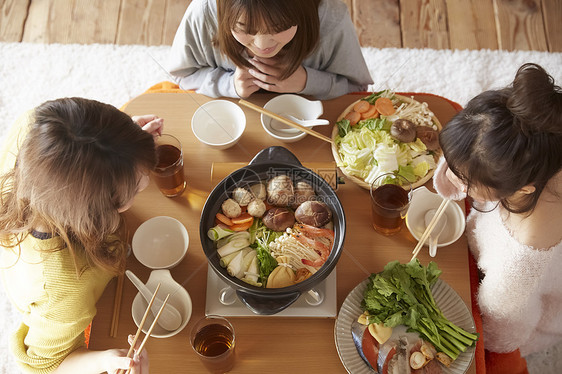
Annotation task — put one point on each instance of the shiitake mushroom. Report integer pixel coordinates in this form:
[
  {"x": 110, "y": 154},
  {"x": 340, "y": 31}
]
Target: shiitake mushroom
[
  {"x": 280, "y": 190},
  {"x": 303, "y": 192},
  {"x": 278, "y": 219},
  {"x": 429, "y": 137},
  {"x": 403, "y": 130},
  {"x": 314, "y": 213}
]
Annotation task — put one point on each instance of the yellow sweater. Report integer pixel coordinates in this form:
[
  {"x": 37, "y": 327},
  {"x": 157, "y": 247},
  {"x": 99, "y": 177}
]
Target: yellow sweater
[{"x": 56, "y": 303}]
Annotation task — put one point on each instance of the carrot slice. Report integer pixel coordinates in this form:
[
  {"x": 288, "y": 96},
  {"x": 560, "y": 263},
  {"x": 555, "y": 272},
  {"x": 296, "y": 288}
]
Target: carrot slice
[
  {"x": 243, "y": 226},
  {"x": 384, "y": 106},
  {"x": 353, "y": 118},
  {"x": 361, "y": 106},
  {"x": 242, "y": 218},
  {"x": 224, "y": 219},
  {"x": 371, "y": 113}
]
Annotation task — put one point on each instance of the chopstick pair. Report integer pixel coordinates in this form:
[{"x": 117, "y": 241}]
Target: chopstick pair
[
  {"x": 430, "y": 227},
  {"x": 141, "y": 324},
  {"x": 286, "y": 121}
]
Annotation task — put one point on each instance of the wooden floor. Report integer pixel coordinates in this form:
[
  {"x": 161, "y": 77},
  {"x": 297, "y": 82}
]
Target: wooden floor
[{"x": 439, "y": 24}]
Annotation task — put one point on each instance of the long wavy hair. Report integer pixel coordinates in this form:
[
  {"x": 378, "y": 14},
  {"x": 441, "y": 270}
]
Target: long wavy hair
[
  {"x": 269, "y": 17},
  {"x": 79, "y": 163},
  {"x": 509, "y": 138}
]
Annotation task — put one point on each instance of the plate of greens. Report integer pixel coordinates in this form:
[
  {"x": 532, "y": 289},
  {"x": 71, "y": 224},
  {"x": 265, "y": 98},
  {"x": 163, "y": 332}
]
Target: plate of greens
[{"x": 402, "y": 285}]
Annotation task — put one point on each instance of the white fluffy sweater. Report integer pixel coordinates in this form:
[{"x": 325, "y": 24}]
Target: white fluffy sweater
[{"x": 520, "y": 296}]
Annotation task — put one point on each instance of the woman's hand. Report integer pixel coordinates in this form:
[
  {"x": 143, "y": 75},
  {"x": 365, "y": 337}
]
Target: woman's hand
[
  {"x": 266, "y": 76},
  {"x": 150, "y": 123},
  {"x": 86, "y": 361},
  {"x": 244, "y": 83},
  {"x": 118, "y": 360}
]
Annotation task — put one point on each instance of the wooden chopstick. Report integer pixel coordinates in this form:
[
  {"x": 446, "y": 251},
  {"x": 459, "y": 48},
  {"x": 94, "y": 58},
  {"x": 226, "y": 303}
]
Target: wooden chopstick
[
  {"x": 141, "y": 324},
  {"x": 286, "y": 121},
  {"x": 430, "y": 227},
  {"x": 117, "y": 306},
  {"x": 141, "y": 346}
]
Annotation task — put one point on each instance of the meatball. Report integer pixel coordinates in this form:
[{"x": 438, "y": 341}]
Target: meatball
[
  {"x": 242, "y": 196},
  {"x": 231, "y": 208},
  {"x": 256, "y": 208},
  {"x": 258, "y": 191}
]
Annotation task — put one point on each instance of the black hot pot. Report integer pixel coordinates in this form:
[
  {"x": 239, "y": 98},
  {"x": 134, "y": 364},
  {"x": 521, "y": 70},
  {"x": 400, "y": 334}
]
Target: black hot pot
[{"x": 265, "y": 165}]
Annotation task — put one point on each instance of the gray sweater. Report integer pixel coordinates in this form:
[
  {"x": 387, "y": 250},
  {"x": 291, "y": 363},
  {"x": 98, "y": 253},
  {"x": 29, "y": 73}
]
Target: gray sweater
[{"x": 334, "y": 68}]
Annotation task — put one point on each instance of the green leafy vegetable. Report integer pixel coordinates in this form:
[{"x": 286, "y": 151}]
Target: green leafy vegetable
[
  {"x": 263, "y": 236},
  {"x": 343, "y": 127},
  {"x": 374, "y": 96},
  {"x": 401, "y": 295}
]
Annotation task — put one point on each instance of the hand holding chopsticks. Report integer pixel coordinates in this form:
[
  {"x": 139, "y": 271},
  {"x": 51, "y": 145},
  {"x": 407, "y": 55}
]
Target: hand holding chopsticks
[
  {"x": 284, "y": 120},
  {"x": 430, "y": 227},
  {"x": 141, "y": 324}
]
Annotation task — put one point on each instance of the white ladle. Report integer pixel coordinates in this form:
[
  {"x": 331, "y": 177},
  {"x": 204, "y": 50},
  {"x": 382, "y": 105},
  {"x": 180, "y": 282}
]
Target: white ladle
[
  {"x": 439, "y": 226},
  {"x": 278, "y": 126},
  {"x": 170, "y": 319}
]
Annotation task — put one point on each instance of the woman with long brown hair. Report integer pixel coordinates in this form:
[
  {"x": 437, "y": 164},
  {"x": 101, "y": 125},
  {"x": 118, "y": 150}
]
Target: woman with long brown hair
[
  {"x": 80, "y": 163},
  {"x": 234, "y": 48}
]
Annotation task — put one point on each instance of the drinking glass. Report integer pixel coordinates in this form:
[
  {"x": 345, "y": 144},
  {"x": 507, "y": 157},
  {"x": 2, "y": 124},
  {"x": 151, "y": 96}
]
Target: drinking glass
[
  {"x": 168, "y": 174},
  {"x": 390, "y": 198},
  {"x": 213, "y": 340}
]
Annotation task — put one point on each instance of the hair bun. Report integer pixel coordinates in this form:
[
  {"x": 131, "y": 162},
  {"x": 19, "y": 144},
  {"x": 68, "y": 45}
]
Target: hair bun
[{"x": 535, "y": 101}]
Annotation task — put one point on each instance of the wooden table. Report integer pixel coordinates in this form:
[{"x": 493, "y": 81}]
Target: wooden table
[{"x": 264, "y": 344}]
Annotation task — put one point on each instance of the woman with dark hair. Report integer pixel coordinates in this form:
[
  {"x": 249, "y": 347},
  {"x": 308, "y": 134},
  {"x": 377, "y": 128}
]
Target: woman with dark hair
[
  {"x": 504, "y": 150},
  {"x": 233, "y": 48},
  {"x": 78, "y": 164}
]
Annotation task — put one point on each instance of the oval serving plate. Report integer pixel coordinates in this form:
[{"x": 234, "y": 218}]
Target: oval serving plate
[
  {"x": 447, "y": 299},
  {"x": 359, "y": 181}
]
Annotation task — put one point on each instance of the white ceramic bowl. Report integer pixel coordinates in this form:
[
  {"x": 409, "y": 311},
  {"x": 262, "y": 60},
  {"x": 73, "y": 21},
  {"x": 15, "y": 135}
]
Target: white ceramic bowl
[
  {"x": 218, "y": 123},
  {"x": 179, "y": 299},
  {"x": 289, "y": 104},
  {"x": 424, "y": 200},
  {"x": 160, "y": 242}
]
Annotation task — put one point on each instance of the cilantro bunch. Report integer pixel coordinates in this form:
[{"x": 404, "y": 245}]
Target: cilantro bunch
[{"x": 401, "y": 295}]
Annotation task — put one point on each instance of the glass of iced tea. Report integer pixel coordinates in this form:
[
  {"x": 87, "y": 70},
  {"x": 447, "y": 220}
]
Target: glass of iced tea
[
  {"x": 212, "y": 339},
  {"x": 390, "y": 198},
  {"x": 168, "y": 173}
]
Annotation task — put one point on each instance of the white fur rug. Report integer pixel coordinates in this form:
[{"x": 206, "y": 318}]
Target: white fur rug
[{"x": 33, "y": 73}]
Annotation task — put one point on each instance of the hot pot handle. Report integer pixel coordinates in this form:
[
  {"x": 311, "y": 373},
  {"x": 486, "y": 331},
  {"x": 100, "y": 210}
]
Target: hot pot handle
[
  {"x": 267, "y": 304},
  {"x": 275, "y": 153}
]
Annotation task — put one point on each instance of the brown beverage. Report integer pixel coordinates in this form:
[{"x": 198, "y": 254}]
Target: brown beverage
[
  {"x": 168, "y": 174},
  {"x": 388, "y": 205},
  {"x": 215, "y": 344}
]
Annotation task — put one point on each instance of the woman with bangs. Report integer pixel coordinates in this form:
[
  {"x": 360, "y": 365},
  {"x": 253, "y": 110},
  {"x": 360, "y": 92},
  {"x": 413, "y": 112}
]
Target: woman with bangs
[
  {"x": 234, "y": 48},
  {"x": 74, "y": 166},
  {"x": 504, "y": 151}
]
